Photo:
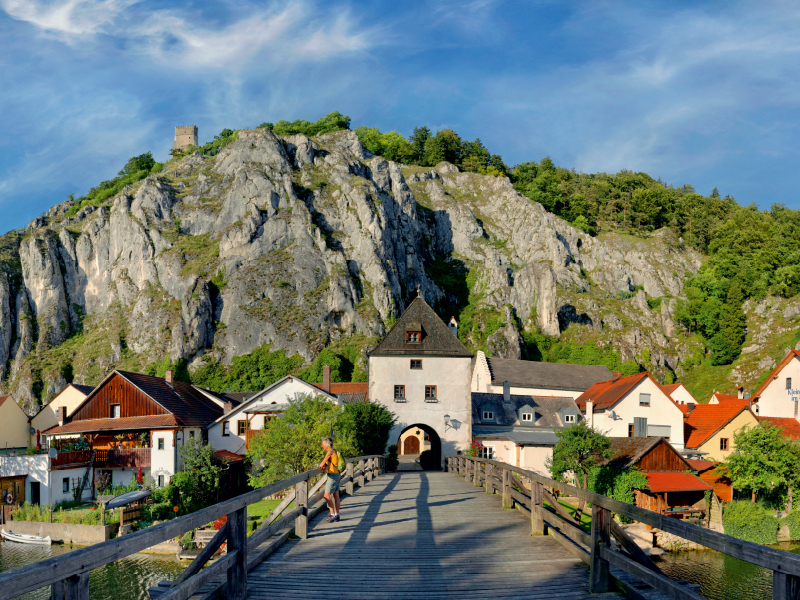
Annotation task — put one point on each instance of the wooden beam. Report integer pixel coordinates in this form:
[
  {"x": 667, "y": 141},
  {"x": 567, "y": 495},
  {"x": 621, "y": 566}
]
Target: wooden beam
[
  {"x": 632, "y": 547},
  {"x": 600, "y": 575},
  {"x": 74, "y": 587},
  {"x": 537, "y": 507},
  {"x": 237, "y": 542},
  {"x": 205, "y": 554},
  {"x": 660, "y": 582},
  {"x": 785, "y": 586},
  {"x": 507, "y": 502},
  {"x": 301, "y": 501}
]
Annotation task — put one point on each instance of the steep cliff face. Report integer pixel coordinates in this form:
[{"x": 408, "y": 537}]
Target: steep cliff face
[{"x": 296, "y": 242}]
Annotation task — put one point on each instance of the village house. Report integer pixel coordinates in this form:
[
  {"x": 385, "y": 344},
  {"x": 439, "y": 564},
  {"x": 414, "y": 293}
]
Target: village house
[
  {"x": 633, "y": 406},
  {"x": 520, "y": 430},
  {"x": 422, "y": 373},
  {"x": 679, "y": 393},
  {"x": 672, "y": 487},
  {"x": 235, "y": 428},
  {"x": 132, "y": 421},
  {"x": 14, "y": 427},
  {"x": 779, "y": 394},
  {"x": 533, "y": 378},
  {"x": 59, "y": 408},
  {"x": 738, "y": 399},
  {"x": 790, "y": 427},
  {"x": 709, "y": 429}
]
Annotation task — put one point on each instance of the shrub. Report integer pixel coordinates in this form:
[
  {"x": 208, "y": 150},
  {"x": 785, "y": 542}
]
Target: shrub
[
  {"x": 391, "y": 458},
  {"x": 793, "y": 521},
  {"x": 748, "y": 521},
  {"x": 618, "y": 484},
  {"x": 427, "y": 460}
]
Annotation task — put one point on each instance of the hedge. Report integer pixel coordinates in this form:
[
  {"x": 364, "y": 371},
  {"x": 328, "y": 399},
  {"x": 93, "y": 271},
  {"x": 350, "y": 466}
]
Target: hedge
[{"x": 749, "y": 522}]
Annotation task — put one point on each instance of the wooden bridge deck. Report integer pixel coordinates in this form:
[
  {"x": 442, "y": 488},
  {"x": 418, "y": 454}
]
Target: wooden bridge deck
[{"x": 424, "y": 534}]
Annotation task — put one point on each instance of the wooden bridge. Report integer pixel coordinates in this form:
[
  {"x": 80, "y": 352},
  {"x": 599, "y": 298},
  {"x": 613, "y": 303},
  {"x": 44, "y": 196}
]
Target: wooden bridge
[{"x": 443, "y": 535}]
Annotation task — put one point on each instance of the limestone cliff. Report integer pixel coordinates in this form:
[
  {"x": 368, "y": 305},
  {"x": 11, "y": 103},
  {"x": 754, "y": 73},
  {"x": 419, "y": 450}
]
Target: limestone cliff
[{"x": 296, "y": 242}]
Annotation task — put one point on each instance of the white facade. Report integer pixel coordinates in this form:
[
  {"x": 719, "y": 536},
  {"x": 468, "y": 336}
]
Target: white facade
[
  {"x": 664, "y": 418},
  {"x": 51, "y": 483},
  {"x": 227, "y": 437},
  {"x": 682, "y": 396},
  {"x": 780, "y": 394},
  {"x": 450, "y": 376},
  {"x": 532, "y": 458}
]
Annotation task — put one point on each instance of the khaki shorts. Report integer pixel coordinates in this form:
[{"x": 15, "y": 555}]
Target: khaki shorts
[{"x": 332, "y": 484}]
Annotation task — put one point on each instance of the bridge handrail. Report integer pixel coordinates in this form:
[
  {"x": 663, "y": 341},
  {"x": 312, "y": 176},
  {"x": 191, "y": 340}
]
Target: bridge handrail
[
  {"x": 785, "y": 565},
  {"x": 68, "y": 573}
]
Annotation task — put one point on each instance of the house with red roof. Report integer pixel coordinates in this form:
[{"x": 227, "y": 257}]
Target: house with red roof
[
  {"x": 709, "y": 429},
  {"x": 790, "y": 427},
  {"x": 779, "y": 394},
  {"x": 632, "y": 406},
  {"x": 679, "y": 393},
  {"x": 738, "y": 399}
]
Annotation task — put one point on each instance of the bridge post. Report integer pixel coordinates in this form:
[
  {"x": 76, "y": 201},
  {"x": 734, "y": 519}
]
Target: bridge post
[
  {"x": 467, "y": 470},
  {"x": 785, "y": 586},
  {"x": 361, "y": 473},
  {"x": 507, "y": 501},
  {"x": 349, "y": 484},
  {"x": 75, "y": 587},
  {"x": 301, "y": 501},
  {"x": 600, "y": 575},
  {"x": 489, "y": 483},
  {"x": 237, "y": 540},
  {"x": 370, "y": 467},
  {"x": 476, "y": 480},
  {"x": 537, "y": 506}
]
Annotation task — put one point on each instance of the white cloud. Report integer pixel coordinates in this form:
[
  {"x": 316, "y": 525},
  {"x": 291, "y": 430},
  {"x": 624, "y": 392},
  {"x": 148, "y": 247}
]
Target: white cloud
[{"x": 70, "y": 17}]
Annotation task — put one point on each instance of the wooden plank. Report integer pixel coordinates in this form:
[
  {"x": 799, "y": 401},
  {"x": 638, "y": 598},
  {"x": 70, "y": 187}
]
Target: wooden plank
[
  {"x": 599, "y": 576},
  {"x": 569, "y": 544},
  {"x": 301, "y": 501},
  {"x": 349, "y": 478},
  {"x": 237, "y": 543},
  {"x": 632, "y": 547},
  {"x": 570, "y": 530},
  {"x": 264, "y": 533},
  {"x": 521, "y": 498},
  {"x": 660, "y": 582},
  {"x": 204, "y": 556},
  {"x": 507, "y": 503},
  {"x": 193, "y": 584},
  {"x": 537, "y": 507},
  {"x": 785, "y": 587},
  {"x": 75, "y": 587}
]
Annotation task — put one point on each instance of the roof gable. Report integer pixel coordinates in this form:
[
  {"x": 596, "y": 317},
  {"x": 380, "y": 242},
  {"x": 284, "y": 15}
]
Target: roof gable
[
  {"x": 544, "y": 408},
  {"x": 437, "y": 338},
  {"x": 707, "y": 419},
  {"x": 776, "y": 371},
  {"x": 544, "y": 375},
  {"x": 628, "y": 451}
]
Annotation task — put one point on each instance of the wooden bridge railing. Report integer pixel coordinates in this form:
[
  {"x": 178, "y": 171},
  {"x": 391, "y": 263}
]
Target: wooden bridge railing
[
  {"x": 68, "y": 574},
  {"x": 595, "y": 548}
]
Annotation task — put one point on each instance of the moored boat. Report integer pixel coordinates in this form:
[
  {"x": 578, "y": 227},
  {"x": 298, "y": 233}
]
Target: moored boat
[{"x": 25, "y": 539}]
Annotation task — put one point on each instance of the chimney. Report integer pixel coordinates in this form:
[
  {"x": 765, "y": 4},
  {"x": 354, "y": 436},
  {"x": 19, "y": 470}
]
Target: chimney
[
  {"x": 168, "y": 377},
  {"x": 453, "y": 325},
  {"x": 228, "y": 407},
  {"x": 590, "y": 413},
  {"x": 740, "y": 392},
  {"x": 615, "y": 375},
  {"x": 62, "y": 415},
  {"x": 507, "y": 392},
  {"x": 690, "y": 407},
  {"x": 326, "y": 379}
]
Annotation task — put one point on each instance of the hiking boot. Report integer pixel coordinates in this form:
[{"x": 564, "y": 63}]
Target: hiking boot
[
  {"x": 336, "y": 518},
  {"x": 331, "y": 519}
]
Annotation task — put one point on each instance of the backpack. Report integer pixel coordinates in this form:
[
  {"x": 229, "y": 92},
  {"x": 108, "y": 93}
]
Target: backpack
[{"x": 341, "y": 465}]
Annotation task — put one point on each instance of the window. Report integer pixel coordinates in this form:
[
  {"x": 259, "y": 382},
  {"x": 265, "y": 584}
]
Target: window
[
  {"x": 569, "y": 418},
  {"x": 788, "y": 383},
  {"x": 416, "y": 364},
  {"x": 242, "y": 426},
  {"x": 413, "y": 337},
  {"x": 399, "y": 392},
  {"x": 630, "y": 429},
  {"x": 65, "y": 484},
  {"x": 488, "y": 415},
  {"x": 527, "y": 417},
  {"x": 226, "y": 428},
  {"x": 191, "y": 433},
  {"x": 723, "y": 443},
  {"x": 115, "y": 412},
  {"x": 161, "y": 480},
  {"x": 644, "y": 399},
  {"x": 160, "y": 443},
  {"x": 430, "y": 392},
  {"x": 487, "y": 452}
]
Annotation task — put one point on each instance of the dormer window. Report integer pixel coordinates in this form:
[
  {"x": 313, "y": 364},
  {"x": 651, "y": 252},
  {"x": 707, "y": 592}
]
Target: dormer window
[
  {"x": 413, "y": 337},
  {"x": 488, "y": 415},
  {"x": 569, "y": 418},
  {"x": 527, "y": 417}
]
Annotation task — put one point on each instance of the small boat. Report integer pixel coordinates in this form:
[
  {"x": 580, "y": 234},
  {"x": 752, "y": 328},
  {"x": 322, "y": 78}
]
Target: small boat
[{"x": 25, "y": 539}]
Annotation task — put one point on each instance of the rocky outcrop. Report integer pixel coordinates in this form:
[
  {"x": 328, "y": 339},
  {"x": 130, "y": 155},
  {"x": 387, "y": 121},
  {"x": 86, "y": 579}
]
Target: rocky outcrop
[{"x": 295, "y": 242}]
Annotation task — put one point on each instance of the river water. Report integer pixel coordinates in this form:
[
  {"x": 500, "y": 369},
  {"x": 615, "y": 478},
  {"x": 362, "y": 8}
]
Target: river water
[{"x": 128, "y": 578}]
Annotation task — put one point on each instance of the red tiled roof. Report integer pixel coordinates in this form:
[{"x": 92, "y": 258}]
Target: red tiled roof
[
  {"x": 732, "y": 399},
  {"x": 670, "y": 388},
  {"x": 227, "y": 456},
  {"x": 706, "y": 420},
  {"x": 786, "y": 360},
  {"x": 124, "y": 423},
  {"x": 606, "y": 393},
  {"x": 790, "y": 426},
  {"x": 675, "y": 482},
  {"x": 701, "y": 465},
  {"x": 684, "y": 408},
  {"x": 355, "y": 387}
]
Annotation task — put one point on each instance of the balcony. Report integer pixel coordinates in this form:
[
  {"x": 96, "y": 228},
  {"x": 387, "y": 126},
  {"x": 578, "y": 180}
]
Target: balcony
[
  {"x": 129, "y": 458},
  {"x": 251, "y": 434}
]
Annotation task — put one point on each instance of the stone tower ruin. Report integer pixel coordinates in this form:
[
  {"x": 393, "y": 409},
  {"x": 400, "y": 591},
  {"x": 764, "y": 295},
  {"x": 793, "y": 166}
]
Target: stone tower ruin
[{"x": 185, "y": 136}]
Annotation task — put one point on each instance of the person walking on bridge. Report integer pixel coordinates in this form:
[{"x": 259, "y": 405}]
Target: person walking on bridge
[{"x": 331, "y": 465}]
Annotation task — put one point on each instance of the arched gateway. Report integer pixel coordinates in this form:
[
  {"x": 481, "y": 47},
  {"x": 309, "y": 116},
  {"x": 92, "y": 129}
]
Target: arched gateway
[
  {"x": 422, "y": 373},
  {"x": 421, "y": 442}
]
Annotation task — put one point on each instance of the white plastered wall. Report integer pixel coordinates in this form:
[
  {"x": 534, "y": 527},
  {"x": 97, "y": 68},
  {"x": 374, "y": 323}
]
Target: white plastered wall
[
  {"x": 57, "y": 493},
  {"x": 614, "y": 421},
  {"x": 451, "y": 376},
  {"x": 776, "y": 400},
  {"x": 162, "y": 462},
  {"x": 682, "y": 396},
  {"x": 35, "y": 467}
]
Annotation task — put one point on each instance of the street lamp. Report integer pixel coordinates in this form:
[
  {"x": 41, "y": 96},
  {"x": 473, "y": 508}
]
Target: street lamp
[{"x": 447, "y": 424}]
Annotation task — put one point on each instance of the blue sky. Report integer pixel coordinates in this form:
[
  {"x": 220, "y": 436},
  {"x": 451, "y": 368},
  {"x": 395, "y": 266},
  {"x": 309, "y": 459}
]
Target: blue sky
[{"x": 699, "y": 93}]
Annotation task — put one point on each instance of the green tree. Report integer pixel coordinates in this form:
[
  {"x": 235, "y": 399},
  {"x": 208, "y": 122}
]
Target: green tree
[
  {"x": 762, "y": 460},
  {"x": 143, "y": 162},
  {"x": 419, "y": 137},
  {"x": 579, "y": 449},
  {"x": 293, "y": 443},
  {"x": 202, "y": 474},
  {"x": 368, "y": 426},
  {"x": 444, "y": 146}
]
